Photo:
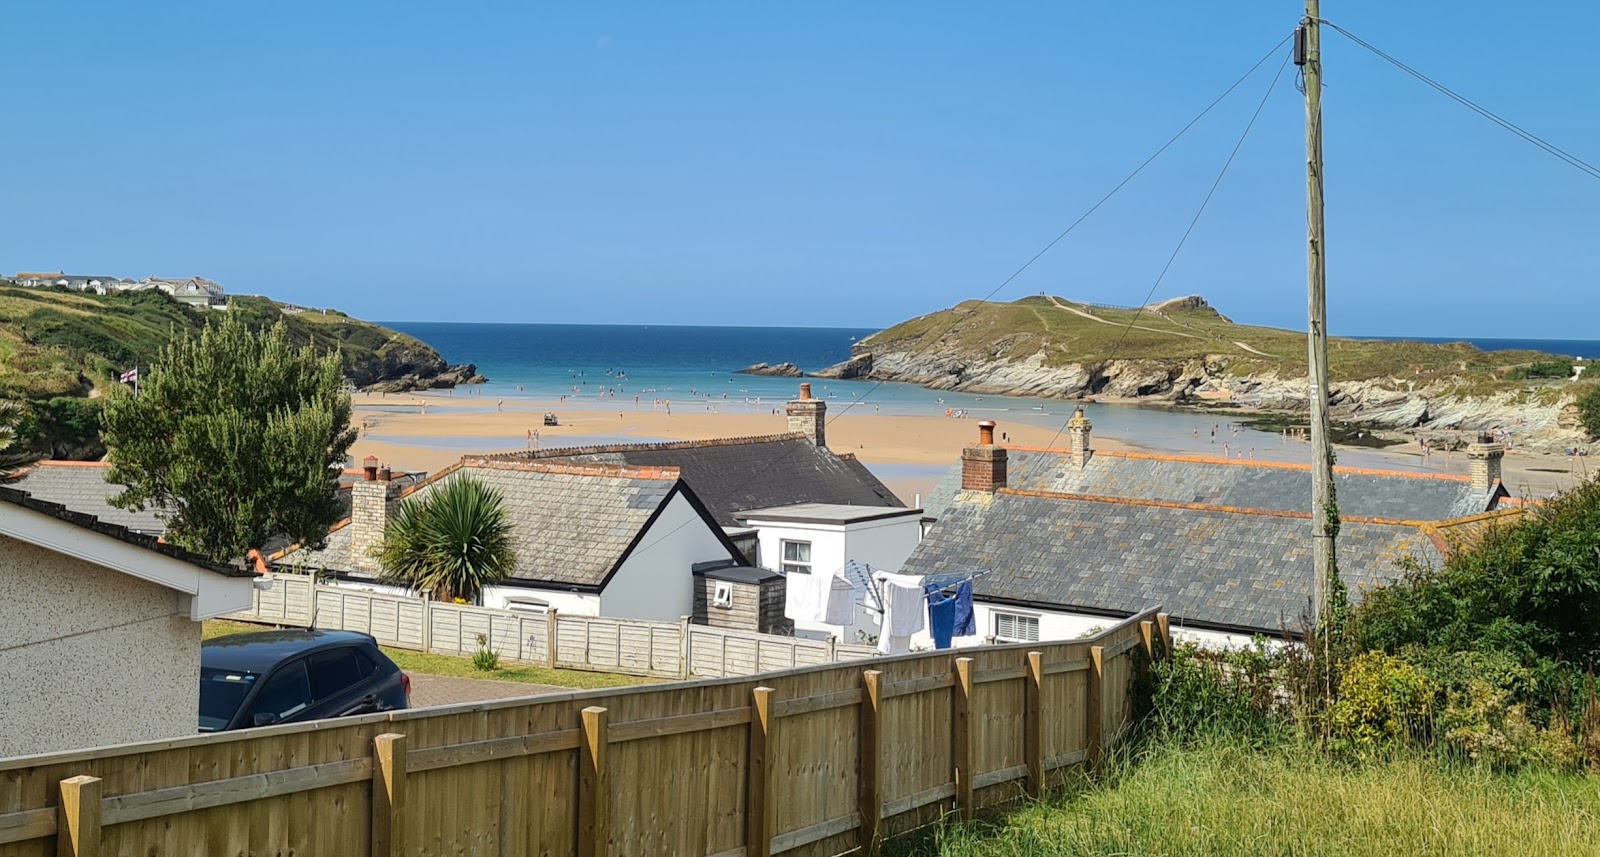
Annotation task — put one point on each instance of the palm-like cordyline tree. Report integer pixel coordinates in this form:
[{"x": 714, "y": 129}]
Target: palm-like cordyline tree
[
  {"x": 10, "y": 459},
  {"x": 452, "y": 542}
]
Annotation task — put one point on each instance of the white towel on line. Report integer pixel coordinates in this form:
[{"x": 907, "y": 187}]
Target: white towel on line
[{"x": 903, "y": 611}]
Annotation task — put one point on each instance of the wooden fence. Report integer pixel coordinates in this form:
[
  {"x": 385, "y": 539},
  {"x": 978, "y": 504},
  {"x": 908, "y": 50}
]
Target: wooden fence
[
  {"x": 812, "y": 761},
  {"x": 632, "y": 646}
]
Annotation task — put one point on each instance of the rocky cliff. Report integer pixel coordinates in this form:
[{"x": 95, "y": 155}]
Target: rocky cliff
[{"x": 1184, "y": 353}]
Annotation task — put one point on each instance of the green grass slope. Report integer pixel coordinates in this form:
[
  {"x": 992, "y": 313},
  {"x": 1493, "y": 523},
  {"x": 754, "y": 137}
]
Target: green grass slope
[
  {"x": 58, "y": 343},
  {"x": 1187, "y": 329}
]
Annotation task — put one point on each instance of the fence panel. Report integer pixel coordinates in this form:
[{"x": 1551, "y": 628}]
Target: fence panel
[{"x": 582, "y": 773}]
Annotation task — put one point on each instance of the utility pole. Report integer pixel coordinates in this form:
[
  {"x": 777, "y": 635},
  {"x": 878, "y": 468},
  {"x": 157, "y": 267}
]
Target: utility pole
[{"x": 1308, "y": 55}]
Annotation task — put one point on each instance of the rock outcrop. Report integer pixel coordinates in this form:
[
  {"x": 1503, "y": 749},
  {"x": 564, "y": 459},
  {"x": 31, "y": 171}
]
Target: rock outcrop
[
  {"x": 425, "y": 379},
  {"x": 781, "y": 370},
  {"x": 1383, "y": 404}
]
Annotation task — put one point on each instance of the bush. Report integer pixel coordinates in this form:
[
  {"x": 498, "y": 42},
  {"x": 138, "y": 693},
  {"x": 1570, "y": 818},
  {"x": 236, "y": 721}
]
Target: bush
[
  {"x": 1383, "y": 701},
  {"x": 1204, "y": 693},
  {"x": 484, "y": 658},
  {"x": 1589, "y": 411},
  {"x": 1543, "y": 369}
]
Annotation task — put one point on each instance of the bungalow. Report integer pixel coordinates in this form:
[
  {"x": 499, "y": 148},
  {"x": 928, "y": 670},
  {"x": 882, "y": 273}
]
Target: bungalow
[
  {"x": 738, "y": 475},
  {"x": 78, "y": 597},
  {"x": 591, "y": 539},
  {"x": 1072, "y": 539}
]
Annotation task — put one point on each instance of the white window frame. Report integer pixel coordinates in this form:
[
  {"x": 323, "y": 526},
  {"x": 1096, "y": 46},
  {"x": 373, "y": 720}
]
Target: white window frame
[
  {"x": 722, "y": 594},
  {"x": 793, "y": 566},
  {"x": 1016, "y": 620}
]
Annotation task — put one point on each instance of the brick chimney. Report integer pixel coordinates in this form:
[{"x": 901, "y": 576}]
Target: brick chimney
[
  {"x": 369, "y": 513},
  {"x": 1483, "y": 462},
  {"x": 983, "y": 467},
  {"x": 809, "y": 416},
  {"x": 1078, "y": 438}
]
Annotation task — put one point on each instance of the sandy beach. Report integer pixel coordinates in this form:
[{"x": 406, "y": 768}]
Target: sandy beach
[{"x": 907, "y": 452}]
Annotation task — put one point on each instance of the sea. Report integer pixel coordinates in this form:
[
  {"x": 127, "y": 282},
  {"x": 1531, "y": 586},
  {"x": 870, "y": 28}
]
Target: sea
[{"x": 694, "y": 367}]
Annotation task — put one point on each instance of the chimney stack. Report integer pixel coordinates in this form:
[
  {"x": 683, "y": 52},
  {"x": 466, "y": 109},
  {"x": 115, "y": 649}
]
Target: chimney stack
[
  {"x": 1483, "y": 462},
  {"x": 809, "y": 417},
  {"x": 983, "y": 467},
  {"x": 1078, "y": 438},
  {"x": 369, "y": 514}
]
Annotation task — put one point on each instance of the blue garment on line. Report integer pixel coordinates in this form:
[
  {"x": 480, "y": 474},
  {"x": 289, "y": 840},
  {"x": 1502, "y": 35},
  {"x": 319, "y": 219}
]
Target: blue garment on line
[
  {"x": 966, "y": 624},
  {"x": 941, "y": 617}
]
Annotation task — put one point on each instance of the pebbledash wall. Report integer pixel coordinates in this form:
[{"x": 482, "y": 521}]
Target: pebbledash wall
[{"x": 69, "y": 630}]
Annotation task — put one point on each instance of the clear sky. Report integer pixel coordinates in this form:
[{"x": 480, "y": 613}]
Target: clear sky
[{"x": 798, "y": 163}]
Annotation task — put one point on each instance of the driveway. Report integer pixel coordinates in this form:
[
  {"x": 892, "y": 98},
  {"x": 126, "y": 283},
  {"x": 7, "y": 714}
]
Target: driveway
[{"x": 427, "y": 690}]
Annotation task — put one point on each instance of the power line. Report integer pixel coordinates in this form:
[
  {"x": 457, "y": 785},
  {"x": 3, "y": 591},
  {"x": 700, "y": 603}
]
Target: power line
[
  {"x": 1117, "y": 347},
  {"x": 1529, "y": 136},
  {"x": 930, "y": 339}
]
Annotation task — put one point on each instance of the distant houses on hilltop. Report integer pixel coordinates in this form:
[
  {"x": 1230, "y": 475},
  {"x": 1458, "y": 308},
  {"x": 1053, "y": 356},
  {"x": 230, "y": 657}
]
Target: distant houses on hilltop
[{"x": 194, "y": 291}]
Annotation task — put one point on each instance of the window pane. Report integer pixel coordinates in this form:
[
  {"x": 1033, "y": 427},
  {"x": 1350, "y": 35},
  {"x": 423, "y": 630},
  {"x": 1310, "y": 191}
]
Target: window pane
[
  {"x": 286, "y": 693},
  {"x": 796, "y": 569},
  {"x": 797, "y": 551},
  {"x": 221, "y": 694},
  {"x": 333, "y": 672}
]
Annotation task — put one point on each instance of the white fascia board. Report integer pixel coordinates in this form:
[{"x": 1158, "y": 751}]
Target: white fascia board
[{"x": 206, "y": 592}]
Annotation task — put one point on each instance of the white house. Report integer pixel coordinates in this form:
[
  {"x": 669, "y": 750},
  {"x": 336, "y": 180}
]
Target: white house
[
  {"x": 826, "y": 538},
  {"x": 1074, "y": 539},
  {"x": 591, "y": 540},
  {"x": 99, "y": 629}
]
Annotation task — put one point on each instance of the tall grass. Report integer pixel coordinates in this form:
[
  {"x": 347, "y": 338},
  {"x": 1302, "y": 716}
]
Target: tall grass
[{"x": 1219, "y": 798}]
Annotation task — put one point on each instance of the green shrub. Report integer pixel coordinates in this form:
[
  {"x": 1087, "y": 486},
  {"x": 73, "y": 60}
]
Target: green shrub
[
  {"x": 1383, "y": 701},
  {"x": 1482, "y": 722},
  {"x": 1237, "y": 694},
  {"x": 1589, "y": 411},
  {"x": 1542, "y": 369},
  {"x": 485, "y": 659}
]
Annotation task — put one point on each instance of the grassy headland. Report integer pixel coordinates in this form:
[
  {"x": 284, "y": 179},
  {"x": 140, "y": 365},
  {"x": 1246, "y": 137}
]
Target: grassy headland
[{"x": 58, "y": 348}]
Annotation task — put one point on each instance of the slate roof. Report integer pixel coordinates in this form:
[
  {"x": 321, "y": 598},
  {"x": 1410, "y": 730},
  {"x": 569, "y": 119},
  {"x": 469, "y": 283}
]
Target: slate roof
[
  {"x": 572, "y": 525},
  {"x": 18, "y": 497},
  {"x": 1219, "y": 482},
  {"x": 1226, "y": 568},
  {"x": 734, "y": 475},
  {"x": 82, "y": 487}
]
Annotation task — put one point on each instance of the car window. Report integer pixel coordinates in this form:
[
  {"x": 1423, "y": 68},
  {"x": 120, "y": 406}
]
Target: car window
[
  {"x": 334, "y": 671},
  {"x": 221, "y": 694},
  {"x": 285, "y": 694}
]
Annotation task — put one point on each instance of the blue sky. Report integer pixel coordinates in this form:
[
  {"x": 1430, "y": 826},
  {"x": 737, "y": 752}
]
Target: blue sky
[{"x": 798, "y": 163}]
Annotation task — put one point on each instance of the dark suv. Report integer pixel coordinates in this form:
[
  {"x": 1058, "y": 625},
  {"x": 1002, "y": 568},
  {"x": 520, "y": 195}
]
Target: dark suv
[{"x": 272, "y": 677}]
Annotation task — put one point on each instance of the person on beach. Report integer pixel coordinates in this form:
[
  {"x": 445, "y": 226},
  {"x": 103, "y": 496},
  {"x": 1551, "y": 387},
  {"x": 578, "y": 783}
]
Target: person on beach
[{"x": 500, "y": 405}]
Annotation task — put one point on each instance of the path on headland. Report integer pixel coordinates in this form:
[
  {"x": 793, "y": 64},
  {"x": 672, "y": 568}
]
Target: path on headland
[{"x": 1092, "y": 317}]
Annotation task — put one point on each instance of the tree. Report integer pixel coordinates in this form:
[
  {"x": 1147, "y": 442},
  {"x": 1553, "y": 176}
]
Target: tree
[
  {"x": 1589, "y": 412},
  {"x": 452, "y": 542},
  {"x": 235, "y": 436},
  {"x": 11, "y": 414}
]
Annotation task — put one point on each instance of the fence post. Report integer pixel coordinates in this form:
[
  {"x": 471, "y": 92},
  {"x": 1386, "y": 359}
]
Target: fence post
[
  {"x": 427, "y": 624},
  {"x": 594, "y": 785},
  {"x": 871, "y": 753},
  {"x": 78, "y": 818},
  {"x": 963, "y": 737},
  {"x": 758, "y": 798},
  {"x": 683, "y": 648},
  {"x": 1033, "y": 724},
  {"x": 550, "y": 637},
  {"x": 1164, "y": 625},
  {"x": 1097, "y": 723},
  {"x": 388, "y": 795},
  {"x": 833, "y": 648}
]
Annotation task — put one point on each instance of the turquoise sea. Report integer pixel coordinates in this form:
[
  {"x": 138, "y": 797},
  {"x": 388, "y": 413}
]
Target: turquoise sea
[{"x": 603, "y": 366}]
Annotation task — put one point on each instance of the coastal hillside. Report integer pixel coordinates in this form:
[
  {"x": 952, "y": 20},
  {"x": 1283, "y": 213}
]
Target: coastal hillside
[
  {"x": 60, "y": 349},
  {"x": 1185, "y": 351}
]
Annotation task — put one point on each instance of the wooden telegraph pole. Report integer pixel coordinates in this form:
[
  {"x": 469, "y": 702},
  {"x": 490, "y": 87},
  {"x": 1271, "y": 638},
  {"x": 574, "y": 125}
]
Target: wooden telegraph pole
[{"x": 1308, "y": 55}]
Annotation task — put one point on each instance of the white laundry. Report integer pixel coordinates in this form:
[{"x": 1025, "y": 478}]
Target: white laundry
[
  {"x": 841, "y": 602},
  {"x": 805, "y": 596},
  {"x": 903, "y": 613}
]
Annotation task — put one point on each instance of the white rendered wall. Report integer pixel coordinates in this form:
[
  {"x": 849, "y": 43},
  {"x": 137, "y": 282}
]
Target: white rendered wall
[
  {"x": 90, "y": 656},
  {"x": 883, "y": 544},
  {"x": 568, "y": 603},
  {"x": 657, "y": 580}
]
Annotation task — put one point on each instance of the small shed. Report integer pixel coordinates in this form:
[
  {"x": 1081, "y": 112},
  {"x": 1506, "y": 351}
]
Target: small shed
[{"x": 739, "y": 597}]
